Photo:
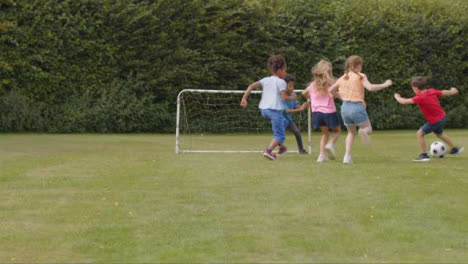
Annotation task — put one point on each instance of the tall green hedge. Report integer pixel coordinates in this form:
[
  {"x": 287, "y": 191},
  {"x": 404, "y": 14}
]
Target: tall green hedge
[{"x": 117, "y": 65}]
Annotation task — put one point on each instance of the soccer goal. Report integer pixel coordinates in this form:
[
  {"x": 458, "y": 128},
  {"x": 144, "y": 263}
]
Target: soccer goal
[{"x": 212, "y": 121}]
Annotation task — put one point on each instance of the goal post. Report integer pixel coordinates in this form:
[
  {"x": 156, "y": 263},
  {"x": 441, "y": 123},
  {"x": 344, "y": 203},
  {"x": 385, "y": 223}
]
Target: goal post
[{"x": 212, "y": 121}]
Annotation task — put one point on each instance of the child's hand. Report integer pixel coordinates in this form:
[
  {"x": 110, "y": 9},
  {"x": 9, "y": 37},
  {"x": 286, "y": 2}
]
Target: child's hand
[
  {"x": 396, "y": 95},
  {"x": 388, "y": 83},
  {"x": 454, "y": 90},
  {"x": 243, "y": 103}
]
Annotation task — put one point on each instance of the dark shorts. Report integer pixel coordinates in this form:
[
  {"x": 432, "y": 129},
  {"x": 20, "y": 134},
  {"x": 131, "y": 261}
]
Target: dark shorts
[
  {"x": 437, "y": 128},
  {"x": 329, "y": 120}
]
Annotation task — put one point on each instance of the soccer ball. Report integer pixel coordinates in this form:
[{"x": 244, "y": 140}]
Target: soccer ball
[{"x": 438, "y": 149}]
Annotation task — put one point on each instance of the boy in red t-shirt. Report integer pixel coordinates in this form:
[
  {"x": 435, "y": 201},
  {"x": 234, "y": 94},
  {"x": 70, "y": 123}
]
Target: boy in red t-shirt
[{"x": 428, "y": 102}]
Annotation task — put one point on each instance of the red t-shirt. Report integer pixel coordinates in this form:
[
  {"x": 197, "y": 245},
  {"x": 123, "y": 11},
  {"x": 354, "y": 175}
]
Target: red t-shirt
[{"x": 428, "y": 102}]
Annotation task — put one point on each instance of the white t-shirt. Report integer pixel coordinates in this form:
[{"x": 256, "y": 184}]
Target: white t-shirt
[{"x": 271, "y": 96}]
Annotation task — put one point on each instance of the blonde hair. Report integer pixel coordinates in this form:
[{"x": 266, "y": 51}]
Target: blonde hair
[
  {"x": 323, "y": 76},
  {"x": 351, "y": 64}
]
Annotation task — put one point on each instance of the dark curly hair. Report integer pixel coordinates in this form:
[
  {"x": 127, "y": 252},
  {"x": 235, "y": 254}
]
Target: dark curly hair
[
  {"x": 276, "y": 63},
  {"x": 289, "y": 78}
]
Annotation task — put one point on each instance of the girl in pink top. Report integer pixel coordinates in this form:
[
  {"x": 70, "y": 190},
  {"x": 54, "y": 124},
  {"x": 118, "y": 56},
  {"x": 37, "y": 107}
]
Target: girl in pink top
[{"x": 323, "y": 108}]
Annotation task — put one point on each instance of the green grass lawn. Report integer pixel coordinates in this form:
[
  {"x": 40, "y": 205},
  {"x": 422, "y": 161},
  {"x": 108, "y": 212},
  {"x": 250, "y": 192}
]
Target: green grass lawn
[{"x": 131, "y": 199}]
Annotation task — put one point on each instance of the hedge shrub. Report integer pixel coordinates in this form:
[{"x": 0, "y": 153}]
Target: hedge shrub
[{"x": 117, "y": 65}]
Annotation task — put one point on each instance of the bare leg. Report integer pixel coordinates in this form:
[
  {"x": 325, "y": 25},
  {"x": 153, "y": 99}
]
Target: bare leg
[
  {"x": 350, "y": 138},
  {"x": 421, "y": 141},
  {"x": 324, "y": 139},
  {"x": 335, "y": 135},
  {"x": 274, "y": 142},
  {"x": 365, "y": 130},
  {"x": 446, "y": 140}
]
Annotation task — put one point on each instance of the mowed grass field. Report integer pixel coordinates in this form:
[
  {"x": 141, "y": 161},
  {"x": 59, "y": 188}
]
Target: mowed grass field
[{"x": 131, "y": 199}]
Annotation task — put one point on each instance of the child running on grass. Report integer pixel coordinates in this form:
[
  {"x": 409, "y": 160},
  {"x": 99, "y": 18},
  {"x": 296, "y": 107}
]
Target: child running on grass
[
  {"x": 323, "y": 108},
  {"x": 274, "y": 91},
  {"x": 293, "y": 107},
  {"x": 353, "y": 109},
  {"x": 428, "y": 102}
]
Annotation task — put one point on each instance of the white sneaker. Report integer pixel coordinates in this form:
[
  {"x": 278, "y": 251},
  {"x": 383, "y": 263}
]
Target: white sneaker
[
  {"x": 364, "y": 137},
  {"x": 347, "y": 159},
  {"x": 330, "y": 150},
  {"x": 322, "y": 157}
]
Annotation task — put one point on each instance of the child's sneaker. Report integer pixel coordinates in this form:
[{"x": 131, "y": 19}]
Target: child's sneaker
[
  {"x": 347, "y": 159},
  {"x": 422, "y": 157},
  {"x": 364, "y": 137},
  {"x": 322, "y": 157},
  {"x": 283, "y": 149},
  {"x": 303, "y": 152},
  {"x": 330, "y": 150},
  {"x": 269, "y": 154},
  {"x": 455, "y": 150}
]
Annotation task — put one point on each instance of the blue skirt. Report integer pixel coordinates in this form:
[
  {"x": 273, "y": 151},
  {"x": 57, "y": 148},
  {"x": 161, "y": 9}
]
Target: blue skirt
[{"x": 329, "y": 120}]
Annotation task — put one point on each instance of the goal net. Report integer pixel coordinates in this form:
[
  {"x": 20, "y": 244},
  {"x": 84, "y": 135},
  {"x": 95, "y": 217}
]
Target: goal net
[{"x": 213, "y": 121}]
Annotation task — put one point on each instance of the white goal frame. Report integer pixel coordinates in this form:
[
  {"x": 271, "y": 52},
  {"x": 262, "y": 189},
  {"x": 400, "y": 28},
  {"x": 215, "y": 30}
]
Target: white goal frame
[{"x": 177, "y": 142}]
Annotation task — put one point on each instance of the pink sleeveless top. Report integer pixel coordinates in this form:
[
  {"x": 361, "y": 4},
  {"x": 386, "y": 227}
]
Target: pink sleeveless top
[{"x": 319, "y": 102}]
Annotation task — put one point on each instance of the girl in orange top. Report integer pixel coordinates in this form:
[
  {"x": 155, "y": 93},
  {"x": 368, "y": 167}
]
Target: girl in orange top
[{"x": 353, "y": 110}]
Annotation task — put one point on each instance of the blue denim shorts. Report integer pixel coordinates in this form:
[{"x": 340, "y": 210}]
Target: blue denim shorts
[
  {"x": 353, "y": 113},
  {"x": 278, "y": 123},
  {"x": 437, "y": 128}
]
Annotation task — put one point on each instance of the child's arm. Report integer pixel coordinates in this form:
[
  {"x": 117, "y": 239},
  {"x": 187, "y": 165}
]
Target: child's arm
[
  {"x": 298, "y": 108},
  {"x": 252, "y": 86},
  {"x": 375, "y": 87},
  {"x": 304, "y": 106},
  {"x": 287, "y": 98},
  {"x": 336, "y": 94},
  {"x": 452, "y": 91},
  {"x": 402, "y": 100},
  {"x": 334, "y": 88}
]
